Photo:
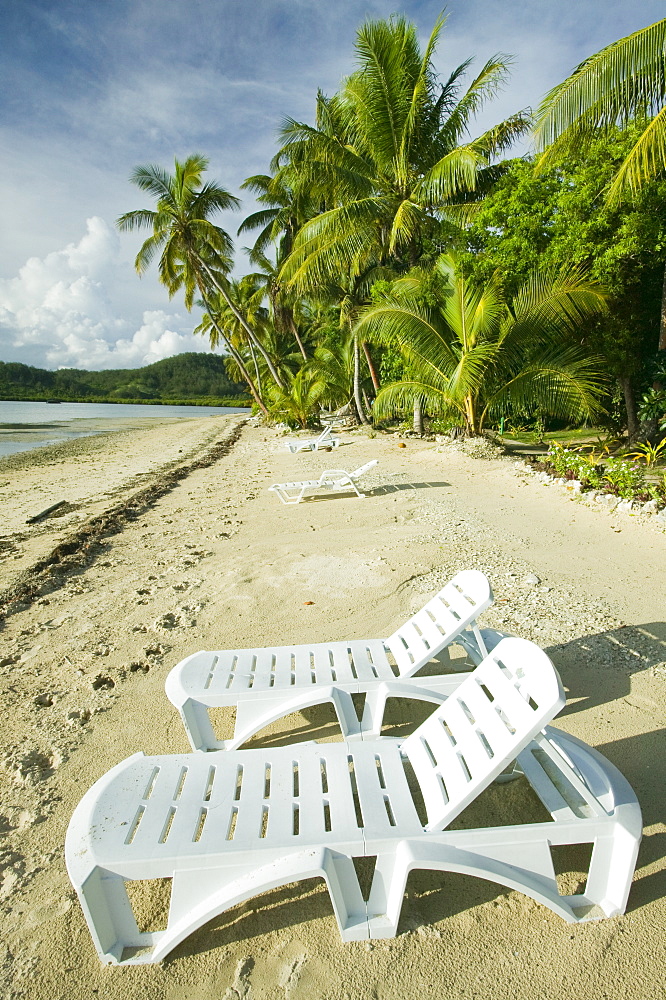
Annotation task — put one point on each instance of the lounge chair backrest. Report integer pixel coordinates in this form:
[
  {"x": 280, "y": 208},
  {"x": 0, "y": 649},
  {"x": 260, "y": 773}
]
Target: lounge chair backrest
[
  {"x": 430, "y": 629},
  {"x": 482, "y": 727},
  {"x": 363, "y": 469}
]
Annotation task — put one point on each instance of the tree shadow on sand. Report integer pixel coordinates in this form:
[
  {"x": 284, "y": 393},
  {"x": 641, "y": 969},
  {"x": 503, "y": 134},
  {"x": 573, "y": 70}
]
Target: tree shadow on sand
[{"x": 597, "y": 669}]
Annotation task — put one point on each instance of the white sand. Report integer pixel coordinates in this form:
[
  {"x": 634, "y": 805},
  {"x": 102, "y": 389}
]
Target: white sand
[{"x": 215, "y": 562}]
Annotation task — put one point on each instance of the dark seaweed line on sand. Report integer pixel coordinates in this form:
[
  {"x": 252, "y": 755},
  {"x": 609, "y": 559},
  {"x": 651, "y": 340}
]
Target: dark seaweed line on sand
[{"x": 82, "y": 546}]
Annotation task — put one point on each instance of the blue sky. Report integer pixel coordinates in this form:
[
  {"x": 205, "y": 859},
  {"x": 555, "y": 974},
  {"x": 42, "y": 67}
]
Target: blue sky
[{"x": 92, "y": 88}]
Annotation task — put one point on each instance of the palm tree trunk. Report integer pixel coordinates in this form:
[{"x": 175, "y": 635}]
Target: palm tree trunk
[
  {"x": 256, "y": 368},
  {"x": 371, "y": 367},
  {"x": 662, "y": 324},
  {"x": 243, "y": 322},
  {"x": 294, "y": 330},
  {"x": 237, "y": 358},
  {"x": 470, "y": 415},
  {"x": 360, "y": 409},
  {"x": 633, "y": 426},
  {"x": 418, "y": 417}
]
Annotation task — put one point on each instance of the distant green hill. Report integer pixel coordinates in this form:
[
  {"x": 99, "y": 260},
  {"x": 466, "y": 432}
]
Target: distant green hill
[{"x": 186, "y": 378}]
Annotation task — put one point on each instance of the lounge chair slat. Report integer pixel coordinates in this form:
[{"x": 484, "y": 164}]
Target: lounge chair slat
[
  {"x": 469, "y": 747},
  {"x": 312, "y": 811},
  {"x": 488, "y": 720},
  {"x": 340, "y": 795}
]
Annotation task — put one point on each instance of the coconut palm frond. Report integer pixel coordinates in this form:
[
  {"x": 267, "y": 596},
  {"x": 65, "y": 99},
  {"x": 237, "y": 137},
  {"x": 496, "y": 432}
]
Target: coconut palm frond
[
  {"x": 621, "y": 79},
  {"x": 624, "y": 81},
  {"x": 553, "y": 303},
  {"x": 399, "y": 398},
  {"x": 563, "y": 384},
  {"x": 646, "y": 160}
]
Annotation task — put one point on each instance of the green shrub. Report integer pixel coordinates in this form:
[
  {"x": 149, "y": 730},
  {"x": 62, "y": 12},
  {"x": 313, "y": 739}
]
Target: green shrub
[
  {"x": 626, "y": 479},
  {"x": 575, "y": 465}
]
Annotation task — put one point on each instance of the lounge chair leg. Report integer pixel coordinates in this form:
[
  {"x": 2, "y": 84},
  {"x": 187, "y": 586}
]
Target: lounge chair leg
[
  {"x": 387, "y": 891},
  {"x": 531, "y": 876},
  {"x": 254, "y": 714},
  {"x": 373, "y": 712},
  {"x": 195, "y": 899},
  {"x": 110, "y": 917},
  {"x": 609, "y": 877},
  {"x": 198, "y": 726}
]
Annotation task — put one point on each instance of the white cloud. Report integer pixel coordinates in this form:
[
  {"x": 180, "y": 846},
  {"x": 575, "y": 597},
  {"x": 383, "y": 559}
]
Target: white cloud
[{"x": 68, "y": 309}]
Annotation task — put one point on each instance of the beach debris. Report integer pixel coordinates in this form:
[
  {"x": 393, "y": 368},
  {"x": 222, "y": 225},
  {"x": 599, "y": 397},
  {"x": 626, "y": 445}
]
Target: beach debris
[
  {"x": 29, "y": 654},
  {"x": 401, "y": 444},
  {"x": 531, "y": 580},
  {"x": 45, "y": 513},
  {"x": 308, "y": 602}
]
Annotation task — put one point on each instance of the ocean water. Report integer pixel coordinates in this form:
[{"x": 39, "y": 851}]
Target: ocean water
[{"x": 26, "y": 425}]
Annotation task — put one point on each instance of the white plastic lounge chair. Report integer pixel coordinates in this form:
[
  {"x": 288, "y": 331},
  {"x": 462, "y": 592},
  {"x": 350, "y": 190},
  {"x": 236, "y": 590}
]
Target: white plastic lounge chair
[
  {"x": 330, "y": 480},
  {"x": 229, "y": 825},
  {"x": 325, "y": 440},
  {"x": 267, "y": 684}
]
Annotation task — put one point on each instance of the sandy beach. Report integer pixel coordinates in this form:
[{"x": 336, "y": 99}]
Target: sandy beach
[{"x": 167, "y": 541}]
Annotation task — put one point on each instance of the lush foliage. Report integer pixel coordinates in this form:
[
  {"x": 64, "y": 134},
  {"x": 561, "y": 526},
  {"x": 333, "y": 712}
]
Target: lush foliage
[
  {"x": 624, "y": 81},
  {"x": 558, "y": 217},
  {"x": 400, "y": 267},
  {"x": 611, "y": 474},
  {"x": 472, "y": 352}
]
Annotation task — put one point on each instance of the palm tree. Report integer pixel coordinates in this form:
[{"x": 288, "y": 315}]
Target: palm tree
[
  {"x": 388, "y": 157},
  {"x": 195, "y": 254},
  {"x": 285, "y": 212},
  {"x": 473, "y": 355},
  {"x": 282, "y": 303},
  {"x": 220, "y": 323},
  {"x": 335, "y": 364},
  {"x": 297, "y": 403},
  {"x": 624, "y": 81}
]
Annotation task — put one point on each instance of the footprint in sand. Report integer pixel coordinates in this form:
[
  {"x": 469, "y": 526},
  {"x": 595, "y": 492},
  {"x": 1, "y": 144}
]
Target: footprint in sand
[
  {"x": 34, "y": 766},
  {"x": 12, "y": 869},
  {"x": 291, "y": 975},
  {"x": 18, "y": 819},
  {"x": 184, "y": 617},
  {"x": 241, "y": 989}
]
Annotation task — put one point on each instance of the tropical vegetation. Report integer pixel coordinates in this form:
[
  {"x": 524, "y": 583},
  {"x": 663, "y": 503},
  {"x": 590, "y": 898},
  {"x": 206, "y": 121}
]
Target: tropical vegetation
[
  {"x": 403, "y": 268},
  {"x": 473, "y": 355},
  {"x": 620, "y": 476}
]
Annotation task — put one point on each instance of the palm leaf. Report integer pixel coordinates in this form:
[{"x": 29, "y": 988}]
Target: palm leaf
[
  {"x": 564, "y": 384},
  {"x": 624, "y": 78},
  {"x": 644, "y": 161}
]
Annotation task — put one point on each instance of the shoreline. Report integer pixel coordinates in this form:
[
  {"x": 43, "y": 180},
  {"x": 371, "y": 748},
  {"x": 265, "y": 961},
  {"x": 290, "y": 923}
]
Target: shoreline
[
  {"x": 214, "y": 561},
  {"x": 65, "y": 427}
]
